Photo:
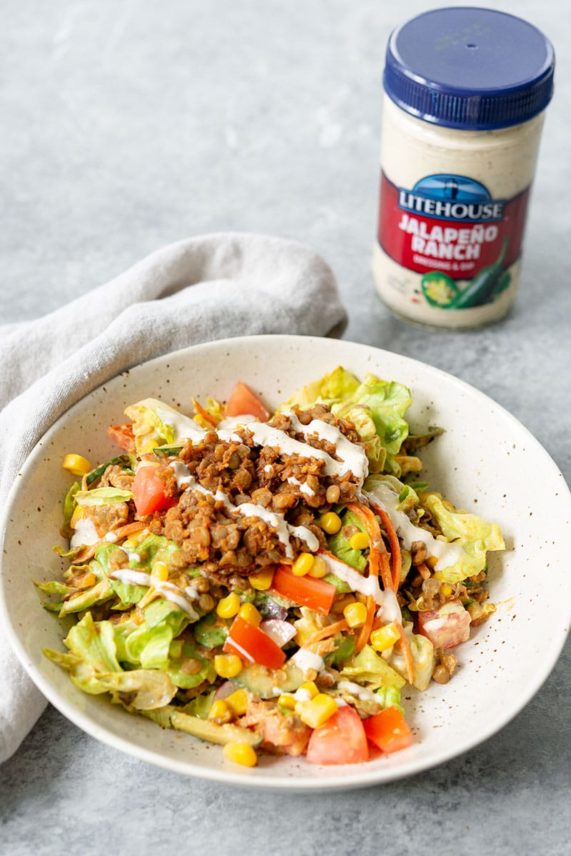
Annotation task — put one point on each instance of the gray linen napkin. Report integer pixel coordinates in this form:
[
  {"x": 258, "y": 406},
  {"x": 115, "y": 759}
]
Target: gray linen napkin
[{"x": 197, "y": 290}]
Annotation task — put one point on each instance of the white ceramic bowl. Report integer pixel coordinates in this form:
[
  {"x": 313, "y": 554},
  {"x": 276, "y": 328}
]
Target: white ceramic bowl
[{"x": 486, "y": 462}]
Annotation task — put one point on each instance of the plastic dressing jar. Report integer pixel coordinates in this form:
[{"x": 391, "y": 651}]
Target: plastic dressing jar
[{"x": 465, "y": 94}]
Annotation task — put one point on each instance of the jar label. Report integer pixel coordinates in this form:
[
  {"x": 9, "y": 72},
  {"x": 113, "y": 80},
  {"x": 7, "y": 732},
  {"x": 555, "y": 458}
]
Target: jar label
[{"x": 450, "y": 229}]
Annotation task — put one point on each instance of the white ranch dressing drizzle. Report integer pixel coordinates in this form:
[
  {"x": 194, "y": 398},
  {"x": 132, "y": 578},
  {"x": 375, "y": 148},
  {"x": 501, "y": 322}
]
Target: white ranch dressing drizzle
[
  {"x": 277, "y": 521},
  {"x": 353, "y": 457},
  {"x": 368, "y": 586},
  {"x": 303, "y": 486},
  {"x": 390, "y": 609},
  {"x": 361, "y": 693},
  {"x": 447, "y": 554},
  {"x": 183, "y": 426},
  {"x": 307, "y": 660},
  {"x": 84, "y": 534},
  {"x": 168, "y": 590}
]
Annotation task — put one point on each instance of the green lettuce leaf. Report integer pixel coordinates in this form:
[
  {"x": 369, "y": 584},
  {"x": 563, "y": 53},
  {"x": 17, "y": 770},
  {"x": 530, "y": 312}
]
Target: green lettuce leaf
[
  {"x": 473, "y": 533},
  {"x": 200, "y": 706},
  {"x": 340, "y": 546},
  {"x": 368, "y": 667},
  {"x": 144, "y": 689},
  {"x": 338, "y": 385},
  {"x": 102, "y": 496},
  {"x": 157, "y": 424},
  {"x": 188, "y": 678},
  {"x": 94, "y": 642},
  {"x": 69, "y": 501},
  {"x": 98, "y": 593},
  {"x": 407, "y": 495},
  {"x": 148, "y": 645},
  {"x": 142, "y": 557},
  {"x": 209, "y": 633},
  {"x": 375, "y": 407}
]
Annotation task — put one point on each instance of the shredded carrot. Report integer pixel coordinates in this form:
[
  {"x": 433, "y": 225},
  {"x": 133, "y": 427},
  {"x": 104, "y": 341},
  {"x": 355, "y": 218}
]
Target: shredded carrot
[
  {"x": 396, "y": 558},
  {"x": 330, "y": 630},
  {"x": 408, "y": 658},
  {"x": 378, "y": 558},
  {"x": 128, "y": 529},
  {"x": 363, "y": 637},
  {"x": 204, "y": 413}
]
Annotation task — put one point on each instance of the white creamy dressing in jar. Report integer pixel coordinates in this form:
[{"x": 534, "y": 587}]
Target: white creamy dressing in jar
[{"x": 465, "y": 94}]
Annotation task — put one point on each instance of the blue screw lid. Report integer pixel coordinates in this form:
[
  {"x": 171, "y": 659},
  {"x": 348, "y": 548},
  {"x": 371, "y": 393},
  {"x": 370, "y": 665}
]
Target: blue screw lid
[{"x": 469, "y": 68}]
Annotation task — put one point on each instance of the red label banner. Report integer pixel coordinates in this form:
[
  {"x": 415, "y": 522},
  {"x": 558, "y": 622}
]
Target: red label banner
[{"x": 461, "y": 249}]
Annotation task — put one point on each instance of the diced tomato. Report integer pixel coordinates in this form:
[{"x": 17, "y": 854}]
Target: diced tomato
[
  {"x": 251, "y": 642},
  {"x": 122, "y": 436},
  {"x": 340, "y": 740},
  {"x": 388, "y": 730},
  {"x": 243, "y": 402},
  {"x": 445, "y": 627},
  {"x": 149, "y": 492},
  {"x": 307, "y": 591}
]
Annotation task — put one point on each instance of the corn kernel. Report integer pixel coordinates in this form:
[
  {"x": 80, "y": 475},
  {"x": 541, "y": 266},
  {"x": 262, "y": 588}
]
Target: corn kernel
[
  {"x": 262, "y": 581},
  {"x": 227, "y": 665},
  {"x": 446, "y": 590},
  {"x": 76, "y": 464},
  {"x": 316, "y": 711},
  {"x": 355, "y": 614},
  {"x": 229, "y": 606},
  {"x": 250, "y": 614},
  {"x": 319, "y": 568},
  {"x": 220, "y": 711},
  {"x": 310, "y": 687},
  {"x": 238, "y": 702},
  {"x": 359, "y": 541},
  {"x": 385, "y": 637},
  {"x": 330, "y": 522},
  {"x": 240, "y": 753},
  {"x": 287, "y": 701},
  {"x": 160, "y": 571},
  {"x": 343, "y": 601},
  {"x": 303, "y": 564}
]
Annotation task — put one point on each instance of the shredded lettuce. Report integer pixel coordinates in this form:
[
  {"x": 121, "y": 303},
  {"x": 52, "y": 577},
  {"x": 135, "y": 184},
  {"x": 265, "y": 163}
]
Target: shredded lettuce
[
  {"x": 371, "y": 669},
  {"x": 148, "y": 644},
  {"x": 340, "y": 546},
  {"x": 191, "y": 669},
  {"x": 375, "y": 407},
  {"x": 102, "y": 496},
  {"x": 69, "y": 501},
  {"x": 475, "y": 535},
  {"x": 157, "y": 424}
]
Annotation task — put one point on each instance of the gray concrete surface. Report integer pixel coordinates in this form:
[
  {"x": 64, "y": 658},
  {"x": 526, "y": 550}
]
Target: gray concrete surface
[{"x": 127, "y": 125}]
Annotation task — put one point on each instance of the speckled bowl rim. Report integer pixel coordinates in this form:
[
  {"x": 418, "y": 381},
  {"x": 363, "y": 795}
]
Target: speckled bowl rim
[{"x": 363, "y": 777}]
